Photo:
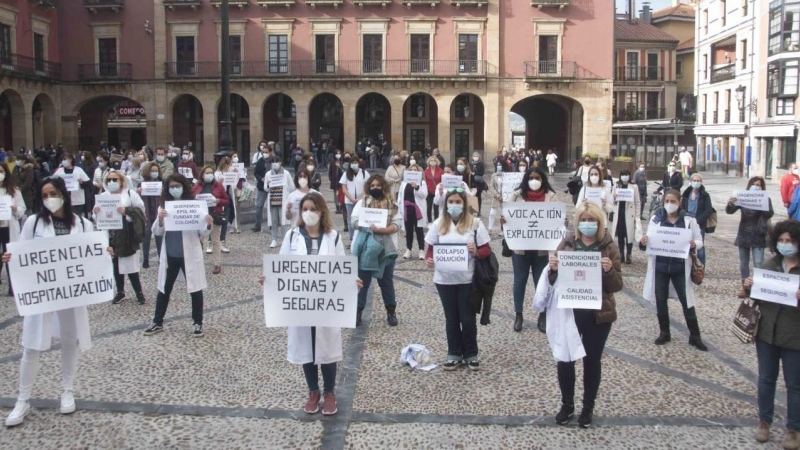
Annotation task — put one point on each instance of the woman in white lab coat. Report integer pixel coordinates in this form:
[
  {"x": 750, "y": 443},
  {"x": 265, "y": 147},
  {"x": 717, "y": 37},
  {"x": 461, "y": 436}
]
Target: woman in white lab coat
[
  {"x": 70, "y": 326},
  {"x": 181, "y": 251},
  {"x": 9, "y": 229},
  {"x": 276, "y": 212},
  {"x": 302, "y": 180},
  {"x": 68, "y": 167},
  {"x": 411, "y": 202},
  {"x": 315, "y": 346},
  {"x": 116, "y": 182}
]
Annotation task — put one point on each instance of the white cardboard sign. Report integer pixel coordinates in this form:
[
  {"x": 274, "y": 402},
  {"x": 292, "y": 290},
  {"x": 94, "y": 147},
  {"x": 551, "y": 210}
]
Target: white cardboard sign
[
  {"x": 71, "y": 181},
  {"x": 510, "y": 182},
  {"x": 230, "y": 178},
  {"x": 775, "y": 287},
  {"x": 108, "y": 218},
  {"x": 185, "y": 215},
  {"x": 241, "y": 170},
  {"x": 451, "y": 257},
  {"x": 580, "y": 280},
  {"x": 534, "y": 225},
  {"x": 5, "y": 207},
  {"x": 625, "y": 195},
  {"x": 151, "y": 188},
  {"x": 208, "y": 198},
  {"x": 667, "y": 241},
  {"x": 451, "y": 181},
  {"x": 758, "y": 200},
  {"x": 275, "y": 181},
  {"x": 594, "y": 195},
  {"x": 412, "y": 177},
  {"x": 373, "y": 216},
  {"x": 186, "y": 172}
]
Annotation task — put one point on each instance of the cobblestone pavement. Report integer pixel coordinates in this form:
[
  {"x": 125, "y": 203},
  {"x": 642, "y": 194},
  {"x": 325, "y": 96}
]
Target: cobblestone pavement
[{"x": 234, "y": 388}]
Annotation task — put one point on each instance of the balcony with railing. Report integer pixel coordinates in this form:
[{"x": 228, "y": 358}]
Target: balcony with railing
[
  {"x": 727, "y": 72},
  {"x": 27, "y": 66},
  {"x": 727, "y": 116},
  {"x": 321, "y": 68},
  {"x": 626, "y": 74},
  {"x": 561, "y": 4},
  {"x": 556, "y": 69},
  {"x": 173, "y": 4},
  {"x": 97, "y": 5},
  {"x": 715, "y": 117},
  {"x": 633, "y": 113},
  {"x": 105, "y": 72},
  {"x": 704, "y": 119}
]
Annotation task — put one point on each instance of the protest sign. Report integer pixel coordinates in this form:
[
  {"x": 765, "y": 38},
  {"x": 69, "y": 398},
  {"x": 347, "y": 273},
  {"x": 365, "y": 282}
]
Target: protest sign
[
  {"x": 185, "y": 215},
  {"x": 70, "y": 181},
  {"x": 667, "y": 241},
  {"x": 534, "y": 225},
  {"x": 275, "y": 181},
  {"x": 108, "y": 218},
  {"x": 607, "y": 183},
  {"x": 231, "y": 178},
  {"x": 240, "y": 170},
  {"x": 511, "y": 182},
  {"x": 580, "y": 280},
  {"x": 410, "y": 176},
  {"x": 775, "y": 287},
  {"x": 758, "y": 200},
  {"x": 310, "y": 291},
  {"x": 208, "y": 198},
  {"x": 151, "y": 188},
  {"x": 451, "y": 257},
  {"x": 373, "y": 216},
  {"x": 594, "y": 195},
  {"x": 52, "y": 274},
  {"x": 451, "y": 181},
  {"x": 186, "y": 172},
  {"x": 625, "y": 195},
  {"x": 5, "y": 207}
]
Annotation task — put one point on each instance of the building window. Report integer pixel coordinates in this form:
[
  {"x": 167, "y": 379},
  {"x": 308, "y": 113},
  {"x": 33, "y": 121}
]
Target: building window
[
  {"x": 788, "y": 151},
  {"x": 744, "y": 54},
  {"x": 418, "y": 140},
  {"x": 184, "y": 55},
  {"x": 461, "y": 105},
  {"x": 785, "y": 107},
  {"x": 107, "y": 55},
  {"x": 632, "y": 66},
  {"x": 420, "y": 53},
  {"x": 38, "y": 51},
  {"x": 705, "y": 67},
  {"x": 278, "y": 53},
  {"x": 373, "y": 53},
  {"x": 418, "y": 106},
  {"x": 745, "y": 4},
  {"x": 705, "y": 21},
  {"x": 548, "y": 54},
  {"x": 784, "y": 27},
  {"x": 653, "y": 71},
  {"x": 235, "y": 54},
  {"x": 679, "y": 68},
  {"x": 461, "y": 143},
  {"x": 326, "y": 53},
  {"x": 770, "y": 107},
  {"x": 782, "y": 78},
  {"x": 5, "y": 44},
  {"x": 468, "y": 53}
]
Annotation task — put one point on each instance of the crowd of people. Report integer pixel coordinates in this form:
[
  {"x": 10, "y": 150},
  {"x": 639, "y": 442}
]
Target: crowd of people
[{"x": 301, "y": 223}]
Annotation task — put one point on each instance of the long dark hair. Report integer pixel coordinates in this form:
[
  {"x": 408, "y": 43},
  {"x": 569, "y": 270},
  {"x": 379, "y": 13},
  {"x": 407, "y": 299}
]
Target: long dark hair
[
  {"x": 524, "y": 188},
  {"x": 9, "y": 182},
  {"x": 188, "y": 194},
  {"x": 350, "y": 172},
  {"x": 44, "y": 213}
]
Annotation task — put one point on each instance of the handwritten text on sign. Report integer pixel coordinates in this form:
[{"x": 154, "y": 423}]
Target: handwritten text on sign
[
  {"x": 71, "y": 181},
  {"x": 52, "y": 274},
  {"x": 758, "y": 200},
  {"x": 108, "y": 218},
  {"x": 186, "y": 172},
  {"x": 511, "y": 182},
  {"x": 451, "y": 181},
  {"x": 5, "y": 207},
  {"x": 276, "y": 181},
  {"x": 594, "y": 195},
  {"x": 231, "y": 178},
  {"x": 625, "y": 195},
  {"x": 185, "y": 215},
  {"x": 672, "y": 242},
  {"x": 451, "y": 257},
  {"x": 534, "y": 225},
  {"x": 151, "y": 188},
  {"x": 373, "y": 216},
  {"x": 410, "y": 176},
  {"x": 775, "y": 287},
  {"x": 241, "y": 170},
  {"x": 580, "y": 280},
  {"x": 208, "y": 198},
  {"x": 310, "y": 291}
]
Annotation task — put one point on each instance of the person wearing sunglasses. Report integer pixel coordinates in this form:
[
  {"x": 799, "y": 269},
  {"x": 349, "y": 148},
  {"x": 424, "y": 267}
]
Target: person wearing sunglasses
[
  {"x": 126, "y": 252},
  {"x": 672, "y": 179}
]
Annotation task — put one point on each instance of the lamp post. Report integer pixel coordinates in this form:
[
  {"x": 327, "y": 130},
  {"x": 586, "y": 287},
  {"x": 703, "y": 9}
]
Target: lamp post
[
  {"x": 740, "y": 100},
  {"x": 225, "y": 139}
]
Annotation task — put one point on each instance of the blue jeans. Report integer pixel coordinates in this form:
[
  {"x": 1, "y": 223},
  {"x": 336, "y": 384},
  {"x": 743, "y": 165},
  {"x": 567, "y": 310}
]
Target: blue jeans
[
  {"x": 701, "y": 254},
  {"x": 678, "y": 280},
  {"x": 460, "y": 325},
  {"x": 744, "y": 260},
  {"x": 529, "y": 263},
  {"x": 261, "y": 198},
  {"x": 386, "y": 284},
  {"x": 769, "y": 358}
]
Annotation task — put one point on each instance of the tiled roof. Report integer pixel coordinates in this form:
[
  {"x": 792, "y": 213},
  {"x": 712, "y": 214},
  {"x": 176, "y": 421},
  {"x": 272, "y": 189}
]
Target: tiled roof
[
  {"x": 638, "y": 31},
  {"x": 686, "y": 11},
  {"x": 686, "y": 45}
]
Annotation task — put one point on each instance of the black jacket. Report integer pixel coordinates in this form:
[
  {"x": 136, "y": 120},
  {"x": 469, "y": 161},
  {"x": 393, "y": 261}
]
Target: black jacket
[
  {"x": 704, "y": 206},
  {"x": 672, "y": 182},
  {"x": 262, "y": 167}
]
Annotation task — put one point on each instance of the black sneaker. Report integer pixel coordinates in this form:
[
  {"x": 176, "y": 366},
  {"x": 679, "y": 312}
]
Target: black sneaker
[
  {"x": 565, "y": 414},
  {"x": 118, "y": 298},
  {"x": 198, "y": 330},
  {"x": 451, "y": 364},
  {"x": 140, "y": 298},
  {"x": 153, "y": 329},
  {"x": 585, "y": 419},
  {"x": 146, "y": 265},
  {"x": 474, "y": 365}
]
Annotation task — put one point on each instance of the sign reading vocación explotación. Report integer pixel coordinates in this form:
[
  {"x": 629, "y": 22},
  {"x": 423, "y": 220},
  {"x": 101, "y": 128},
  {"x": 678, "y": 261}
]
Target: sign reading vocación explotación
[{"x": 534, "y": 225}]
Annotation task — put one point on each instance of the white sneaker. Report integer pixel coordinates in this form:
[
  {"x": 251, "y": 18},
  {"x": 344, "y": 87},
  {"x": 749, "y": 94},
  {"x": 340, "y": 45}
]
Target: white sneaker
[
  {"x": 225, "y": 249},
  {"x": 209, "y": 249},
  {"x": 273, "y": 244},
  {"x": 407, "y": 255},
  {"x": 16, "y": 417},
  {"x": 422, "y": 256},
  {"x": 67, "y": 403}
]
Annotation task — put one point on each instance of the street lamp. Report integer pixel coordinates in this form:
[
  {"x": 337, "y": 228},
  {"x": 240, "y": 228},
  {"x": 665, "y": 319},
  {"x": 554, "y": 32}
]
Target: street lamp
[{"x": 225, "y": 138}]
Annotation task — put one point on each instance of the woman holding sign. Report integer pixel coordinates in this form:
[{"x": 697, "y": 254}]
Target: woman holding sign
[
  {"x": 752, "y": 234},
  {"x": 596, "y": 191},
  {"x": 152, "y": 172},
  {"x": 77, "y": 180},
  {"x": 665, "y": 270},
  {"x": 411, "y": 202},
  {"x": 9, "y": 229},
  {"x": 302, "y": 180},
  {"x": 226, "y": 166},
  {"x": 56, "y": 218},
  {"x": 457, "y": 231},
  {"x": 593, "y": 326},
  {"x": 315, "y": 348},
  {"x": 778, "y": 340},
  {"x": 352, "y": 182},
  {"x": 625, "y": 230},
  {"x": 433, "y": 176},
  {"x": 441, "y": 192},
  {"x": 210, "y": 185},
  {"x": 181, "y": 251}
]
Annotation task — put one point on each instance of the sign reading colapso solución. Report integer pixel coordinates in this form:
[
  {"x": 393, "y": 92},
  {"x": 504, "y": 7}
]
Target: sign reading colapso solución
[
  {"x": 580, "y": 280},
  {"x": 57, "y": 273},
  {"x": 311, "y": 291}
]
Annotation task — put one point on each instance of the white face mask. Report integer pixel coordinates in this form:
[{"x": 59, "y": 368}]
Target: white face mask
[
  {"x": 671, "y": 208},
  {"x": 594, "y": 179},
  {"x": 310, "y": 168},
  {"x": 522, "y": 168},
  {"x": 2, "y": 177},
  {"x": 535, "y": 184},
  {"x": 235, "y": 160},
  {"x": 310, "y": 218},
  {"x": 796, "y": 171},
  {"x": 411, "y": 162},
  {"x": 53, "y": 204},
  {"x": 476, "y": 158},
  {"x": 303, "y": 182}
]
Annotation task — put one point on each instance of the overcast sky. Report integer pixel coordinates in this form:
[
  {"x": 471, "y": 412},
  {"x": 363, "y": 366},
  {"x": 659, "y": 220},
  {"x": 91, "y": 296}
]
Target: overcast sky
[{"x": 654, "y": 4}]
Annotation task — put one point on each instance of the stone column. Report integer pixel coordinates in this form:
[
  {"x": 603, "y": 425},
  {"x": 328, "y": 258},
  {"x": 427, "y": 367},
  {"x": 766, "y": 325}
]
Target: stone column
[
  {"x": 445, "y": 148},
  {"x": 210, "y": 128},
  {"x": 159, "y": 27},
  {"x": 302, "y": 103},
  {"x": 349, "y": 123},
  {"x": 398, "y": 131},
  {"x": 256, "y": 127}
]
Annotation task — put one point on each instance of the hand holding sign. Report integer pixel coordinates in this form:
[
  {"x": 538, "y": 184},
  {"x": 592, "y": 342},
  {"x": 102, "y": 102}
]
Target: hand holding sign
[
  {"x": 373, "y": 216},
  {"x": 533, "y": 225},
  {"x": 451, "y": 257},
  {"x": 109, "y": 216},
  {"x": 757, "y": 200},
  {"x": 6, "y": 207},
  {"x": 666, "y": 241},
  {"x": 184, "y": 215},
  {"x": 580, "y": 280},
  {"x": 775, "y": 287}
]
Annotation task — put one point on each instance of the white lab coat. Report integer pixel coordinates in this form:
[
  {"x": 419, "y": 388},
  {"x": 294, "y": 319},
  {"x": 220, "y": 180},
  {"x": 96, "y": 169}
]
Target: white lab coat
[
  {"x": 420, "y": 198},
  {"x": 294, "y": 200},
  {"x": 38, "y": 330},
  {"x": 128, "y": 198},
  {"x": 13, "y": 225},
  {"x": 288, "y": 188},
  {"x": 632, "y": 214},
  {"x": 78, "y": 197},
  {"x": 328, "y": 348},
  {"x": 195, "y": 275},
  {"x": 356, "y": 187},
  {"x": 609, "y": 205},
  {"x": 649, "y": 291},
  {"x": 439, "y": 199},
  {"x": 562, "y": 332}
]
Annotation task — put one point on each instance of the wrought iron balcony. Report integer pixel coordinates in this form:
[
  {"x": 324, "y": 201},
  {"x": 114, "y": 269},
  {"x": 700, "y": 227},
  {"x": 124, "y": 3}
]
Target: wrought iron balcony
[
  {"x": 630, "y": 114},
  {"x": 556, "y": 69},
  {"x": 460, "y": 3},
  {"x": 723, "y": 73},
  {"x": 95, "y": 5},
  {"x": 238, "y": 3},
  {"x": 172, "y": 4},
  {"x": 333, "y": 69},
  {"x": 561, "y": 4},
  {"x": 105, "y": 71},
  {"x": 25, "y": 65},
  {"x": 704, "y": 119},
  {"x": 627, "y": 74}
]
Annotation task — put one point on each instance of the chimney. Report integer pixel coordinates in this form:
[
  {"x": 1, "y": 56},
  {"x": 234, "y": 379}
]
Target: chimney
[
  {"x": 631, "y": 10},
  {"x": 676, "y": 2},
  {"x": 646, "y": 13}
]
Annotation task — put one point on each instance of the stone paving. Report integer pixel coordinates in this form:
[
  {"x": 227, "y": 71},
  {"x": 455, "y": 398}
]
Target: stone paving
[{"x": 235, "y": 389}]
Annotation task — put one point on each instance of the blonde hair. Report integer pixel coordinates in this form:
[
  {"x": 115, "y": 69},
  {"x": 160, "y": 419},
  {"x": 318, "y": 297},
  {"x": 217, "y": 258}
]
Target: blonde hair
[
  {"x": 414, "y": 168},
  {"x": 595, "y": 212},
  {"x": 123, "y": 180},
  {"x": 464, "y": 222}
]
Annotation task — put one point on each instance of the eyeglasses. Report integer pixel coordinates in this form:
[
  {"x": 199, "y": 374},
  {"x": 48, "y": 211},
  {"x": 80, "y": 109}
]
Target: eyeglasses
[{"x": 459, "y": 190}]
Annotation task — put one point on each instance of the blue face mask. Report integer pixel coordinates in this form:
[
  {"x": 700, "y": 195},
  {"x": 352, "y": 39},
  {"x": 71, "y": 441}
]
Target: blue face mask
[
  {"x": 755, "y": 188},
  {"x": 588, "y": 228},
  {"x": 176, "y": 192},
  {"x": 455, "y": 210},
  {"x": 346, "y": 166},
  {"x": 696, "y": 184},
  {"x": 786, "y": 249}
]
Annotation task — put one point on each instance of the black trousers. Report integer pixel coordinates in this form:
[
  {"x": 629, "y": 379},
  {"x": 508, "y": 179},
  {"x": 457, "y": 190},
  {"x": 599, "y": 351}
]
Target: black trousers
[
  {"x": 433, "y": 207},
  {"x": 593, "y": 336},
  {"x": 174, "y": 267},
  {"x": 411, "y": 229},
  {"x": 120, "y": 279}
]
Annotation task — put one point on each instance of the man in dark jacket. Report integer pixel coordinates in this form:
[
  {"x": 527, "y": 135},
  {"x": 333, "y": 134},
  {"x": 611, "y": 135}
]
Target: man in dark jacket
[
  {"x": 262, "y": 167},
  {"x": 697, "y": 203}
]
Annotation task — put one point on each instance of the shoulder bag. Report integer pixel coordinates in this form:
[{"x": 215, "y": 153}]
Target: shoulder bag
[{"x": 745, "y": 323}]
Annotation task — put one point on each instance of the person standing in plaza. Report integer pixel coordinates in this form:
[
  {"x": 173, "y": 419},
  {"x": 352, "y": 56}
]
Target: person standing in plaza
[
  {"x": 377, "y": 195},
  {"x": 263, "y": 166},
  {"x": 591, "y": 327},
  {"x": 164, "y": 164},
  {"x": 596, "y": 181},
  {"x": 151, "y": 203},
  {"x": 640, "y": 180},
  {"x": 788, "y": 184},
  {"x": 626, "y": 230},
  {"x": 9, "y": 229},
  {"x": 302, "y": 188},
  {"x": 664, "y": 270},
  {"x": 209, "y": 185},
  {"x": 687, "y": 161},
  {"x": 277, "y": 198},
  {"x": 457, "y": 226},
  {"x": 410, "y": 202},
  {"x": 777, "y": 339},
  {"x": 433, "y": 176},
  {"x": 335, "y": 173},
  {"x": 352, "y": 182},
  {"x": 181, "y": 251},
  {"x": 230, "y": 211},
  {"x": 314, "y": 178},
  {"x": 394, "y": 175},
  {"x": 751, "y": 237},
  {"x": 697, "y": 203},
  {"x": 78, "y": 196},
  {"x": 672, "y": 179},
  {"x": 315, "y": 348},
  {"x": 552, "y": 158},
  {"x": 55, "y": 219},
  {"x": 187, "y": 163}
]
